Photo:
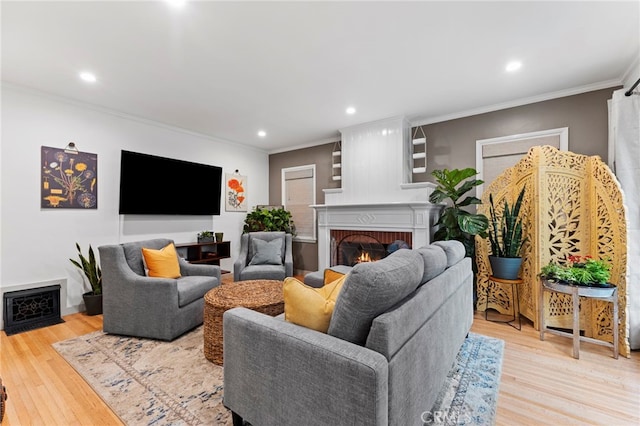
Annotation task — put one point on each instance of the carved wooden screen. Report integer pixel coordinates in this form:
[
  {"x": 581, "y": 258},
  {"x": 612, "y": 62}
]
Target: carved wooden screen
[{"x": 572, "y": 206}]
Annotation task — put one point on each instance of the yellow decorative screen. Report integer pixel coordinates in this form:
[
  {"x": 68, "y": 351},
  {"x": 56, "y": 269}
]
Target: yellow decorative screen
[{"x": 572, "y": 206}]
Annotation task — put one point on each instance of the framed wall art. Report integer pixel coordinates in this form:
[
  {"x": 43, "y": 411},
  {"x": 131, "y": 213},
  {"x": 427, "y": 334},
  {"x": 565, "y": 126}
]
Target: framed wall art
[
  {"x": 235, "y": 192},
  {"x": 69, "y": 178}
]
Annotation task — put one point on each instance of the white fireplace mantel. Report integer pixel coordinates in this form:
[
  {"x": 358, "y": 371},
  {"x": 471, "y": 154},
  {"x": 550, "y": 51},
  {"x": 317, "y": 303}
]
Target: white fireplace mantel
[{"x": 419, "y": 218}]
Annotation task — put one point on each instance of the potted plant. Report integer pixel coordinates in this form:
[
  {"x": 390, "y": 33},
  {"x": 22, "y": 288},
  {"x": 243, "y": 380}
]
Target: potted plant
[
  {"x": 455, "y": 223},
  {"x": 264, "y": 219},
  {"x": 205, "y": 237},
  {"x": 92, "y": 299},
  {"x": 506, "y": 238},
  {"x": 579, "y": 270}
]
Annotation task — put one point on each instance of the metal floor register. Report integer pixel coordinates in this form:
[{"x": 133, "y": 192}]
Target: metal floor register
[{"x": 32, "y": 308}]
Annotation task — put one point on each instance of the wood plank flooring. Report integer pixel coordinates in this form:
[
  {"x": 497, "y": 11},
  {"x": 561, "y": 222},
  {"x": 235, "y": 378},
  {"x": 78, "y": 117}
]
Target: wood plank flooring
[{"x": 541, "y": 382}]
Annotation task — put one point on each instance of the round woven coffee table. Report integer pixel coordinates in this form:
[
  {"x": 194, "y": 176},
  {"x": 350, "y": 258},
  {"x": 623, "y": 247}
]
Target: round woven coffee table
[{"x": 259, "y": 295}]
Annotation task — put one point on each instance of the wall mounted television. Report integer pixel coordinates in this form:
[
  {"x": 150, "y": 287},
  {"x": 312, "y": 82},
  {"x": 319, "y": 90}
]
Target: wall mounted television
[{"x": 164, "y": 186}]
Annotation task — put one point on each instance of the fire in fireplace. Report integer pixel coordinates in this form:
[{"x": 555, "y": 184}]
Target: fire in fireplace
[{"x": 353, "y": 247}]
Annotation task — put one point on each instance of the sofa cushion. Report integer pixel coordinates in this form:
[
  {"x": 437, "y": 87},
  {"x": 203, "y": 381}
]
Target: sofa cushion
[
  {"x": 391, "y": 330},
  {"x": 372, "y": 288},
  {"x": 133, "y": 252},
  {"x": 435, "y": 261},
  {"x": 454, "y": 249},
  {"x": 263, "y": 272},
  {"x": 194, "y": 287},
  {"x": 265, "y": 236},
  {"x": 309, "y": 306},
  {"x": 266, "y": 252},
  {"x": 161, "y": 263}
]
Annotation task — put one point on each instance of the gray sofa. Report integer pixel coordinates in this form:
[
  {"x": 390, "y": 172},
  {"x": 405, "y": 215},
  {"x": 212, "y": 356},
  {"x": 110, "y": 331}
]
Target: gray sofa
[
  {"x": 158, "y": 308},
  {"x": 394, "y": 334}
]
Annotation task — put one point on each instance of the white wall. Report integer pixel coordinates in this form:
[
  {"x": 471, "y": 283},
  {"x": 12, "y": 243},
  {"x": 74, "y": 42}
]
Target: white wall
[
  {"x": 375, "y": 165},
  {"x": 36, "y": 243}
]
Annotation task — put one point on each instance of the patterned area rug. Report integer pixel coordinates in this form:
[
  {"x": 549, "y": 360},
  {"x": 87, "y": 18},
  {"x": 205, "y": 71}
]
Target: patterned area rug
[
  {"x": 172, "y": 383},
  {"x": 470, "y": 395}
]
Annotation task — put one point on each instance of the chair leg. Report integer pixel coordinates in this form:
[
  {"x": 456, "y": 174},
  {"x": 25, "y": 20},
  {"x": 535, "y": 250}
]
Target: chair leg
[{"x": 237, "y": 420}]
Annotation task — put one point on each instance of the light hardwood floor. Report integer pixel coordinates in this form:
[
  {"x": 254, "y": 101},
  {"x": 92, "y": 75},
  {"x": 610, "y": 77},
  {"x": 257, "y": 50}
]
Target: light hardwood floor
[{"x": 541, "y": 382}]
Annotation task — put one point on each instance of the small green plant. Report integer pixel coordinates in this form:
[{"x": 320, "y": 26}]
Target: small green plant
[
  {"x": 205, "y": 234},
  {"x": 505, "y": 232},
  {"x": 455, "y": 223},
  {"x": 264, "y": 219},
  {"x": 90, "y": 268},
  {"x": 582, "y": 270}
]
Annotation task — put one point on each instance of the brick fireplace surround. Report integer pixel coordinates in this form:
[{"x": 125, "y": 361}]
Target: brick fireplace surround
[
  {"x": 390, "y": 220},
  {"x": 374, "y": 244}
]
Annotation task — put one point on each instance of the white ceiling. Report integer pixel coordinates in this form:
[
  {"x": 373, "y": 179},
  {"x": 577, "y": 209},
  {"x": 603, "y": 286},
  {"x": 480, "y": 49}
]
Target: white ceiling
[{"x": 228, "y": 69}]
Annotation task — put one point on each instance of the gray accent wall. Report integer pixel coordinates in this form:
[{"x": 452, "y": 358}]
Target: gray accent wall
[
  {"x": 452, "y": 144},
  {"x": 305, "y": 254}
]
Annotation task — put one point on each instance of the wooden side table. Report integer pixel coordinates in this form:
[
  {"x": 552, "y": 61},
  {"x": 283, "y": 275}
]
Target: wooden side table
[
  {"x": 609, "y": 294},
  {"x": 516, "y": 302}
]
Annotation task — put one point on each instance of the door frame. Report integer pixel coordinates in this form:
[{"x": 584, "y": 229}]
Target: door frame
[{"x": 562, "y": 132}]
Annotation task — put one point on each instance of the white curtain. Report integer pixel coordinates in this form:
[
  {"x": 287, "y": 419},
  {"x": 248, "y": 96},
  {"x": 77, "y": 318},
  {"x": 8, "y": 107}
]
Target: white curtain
[{"x": 624, "y": 137}]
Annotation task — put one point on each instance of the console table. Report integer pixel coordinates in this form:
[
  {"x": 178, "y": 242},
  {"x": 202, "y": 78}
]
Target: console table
[
  {"x": 608, "y": 294},
  {"x": 208, "y": 253}
]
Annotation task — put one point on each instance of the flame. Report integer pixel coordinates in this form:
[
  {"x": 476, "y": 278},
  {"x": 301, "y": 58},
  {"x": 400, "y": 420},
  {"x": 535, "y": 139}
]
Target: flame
[{"x": 364, "y": 257}]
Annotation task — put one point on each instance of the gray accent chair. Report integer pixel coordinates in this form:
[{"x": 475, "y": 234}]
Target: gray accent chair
[
  {"x": 395, "y": 331},
  {"x": 157, "y": 308},
  {"x": 243, "y": 269}
]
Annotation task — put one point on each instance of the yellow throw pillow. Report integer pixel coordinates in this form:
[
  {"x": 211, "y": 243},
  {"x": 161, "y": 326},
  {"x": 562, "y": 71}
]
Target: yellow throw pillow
[
  {"x": 162, "y": 263},
  {"x": 309, "y": 306},
  {"x": 330, "y": 276}
]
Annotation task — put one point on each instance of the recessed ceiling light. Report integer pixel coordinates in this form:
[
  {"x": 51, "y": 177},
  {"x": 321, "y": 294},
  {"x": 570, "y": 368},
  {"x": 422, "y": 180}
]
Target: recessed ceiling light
[
  {"x": 351, "y": 110},
  {"x": 262, "y": 133},
  {"x": 513, "y": 66},
  {"x": 89, "y": 77}
]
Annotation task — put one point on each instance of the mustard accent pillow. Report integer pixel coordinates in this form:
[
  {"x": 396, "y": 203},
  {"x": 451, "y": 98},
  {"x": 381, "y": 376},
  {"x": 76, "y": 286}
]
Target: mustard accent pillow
[
  {"x": 309, "y": 306},
  {"x": 330, "y": 276},
  {"x": 162, "y": 263}
]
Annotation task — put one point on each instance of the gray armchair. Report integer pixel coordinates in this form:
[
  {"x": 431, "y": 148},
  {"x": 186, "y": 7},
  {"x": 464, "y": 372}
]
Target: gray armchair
[
  {"x": 158, "y": 308},
  {"x": 261, "y": 257}
]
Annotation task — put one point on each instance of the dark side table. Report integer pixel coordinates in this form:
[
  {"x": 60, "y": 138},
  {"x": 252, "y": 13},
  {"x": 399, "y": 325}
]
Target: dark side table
[
  {"x": 516, "y": 300},
  {"x": 608, "y": 294}
]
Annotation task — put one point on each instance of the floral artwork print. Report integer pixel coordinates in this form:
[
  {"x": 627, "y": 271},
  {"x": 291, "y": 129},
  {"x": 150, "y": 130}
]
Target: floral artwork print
[
  {"x": 69, "y": 179},
  {"x": 235, "y": 193}
]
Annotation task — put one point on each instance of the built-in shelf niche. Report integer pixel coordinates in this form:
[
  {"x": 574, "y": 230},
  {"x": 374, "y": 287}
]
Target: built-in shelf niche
[
  {"x": 418, "y": 152},
  {"x": 336, "y": 162}
]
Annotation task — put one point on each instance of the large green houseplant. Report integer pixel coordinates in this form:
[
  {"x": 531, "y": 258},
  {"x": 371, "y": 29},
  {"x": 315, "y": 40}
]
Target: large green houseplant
[
  {"x": 91, "y": 269},
  {"x": 269, "y": 219},
  {"x": 455, "y": 223},
  {"x": 506, "y": 238}
]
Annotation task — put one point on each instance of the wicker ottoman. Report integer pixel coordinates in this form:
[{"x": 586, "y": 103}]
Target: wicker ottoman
[{"x": 259, "y": 295}]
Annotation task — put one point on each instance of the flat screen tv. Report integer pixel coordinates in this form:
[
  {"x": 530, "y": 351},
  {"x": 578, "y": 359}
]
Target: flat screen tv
[{"x": 164, "y": 186}]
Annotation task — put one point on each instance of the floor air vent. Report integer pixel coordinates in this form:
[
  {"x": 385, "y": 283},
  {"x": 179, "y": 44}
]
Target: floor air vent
[{"x": 32, "y": 308}]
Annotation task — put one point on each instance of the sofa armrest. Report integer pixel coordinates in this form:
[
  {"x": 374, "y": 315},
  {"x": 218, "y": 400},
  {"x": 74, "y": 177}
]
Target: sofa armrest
[
  {"x": 278, "y": 373},
  {"x": 288, "y": 256},
  {"x": 241, "y": 261},
  {"x": 187, "y": 269}
]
